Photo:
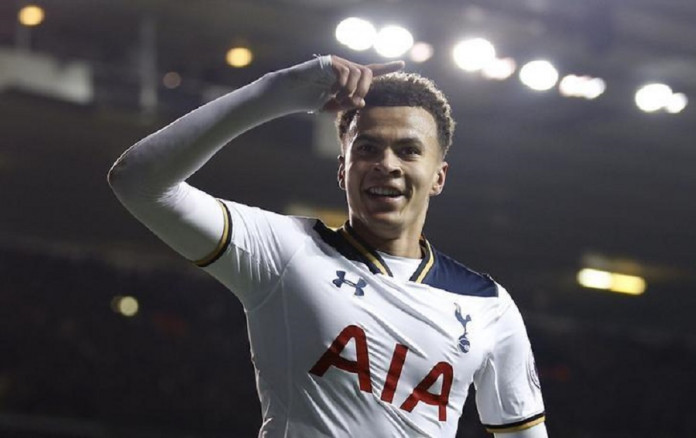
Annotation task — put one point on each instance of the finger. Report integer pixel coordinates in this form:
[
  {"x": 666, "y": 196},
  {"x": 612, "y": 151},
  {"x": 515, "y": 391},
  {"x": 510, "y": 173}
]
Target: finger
[
  {"x": 341, "y": 72},
  {"x": 389, "y": 67},
  {"x": 363, "y": 87},
  {"x": 351, "y": 84}
]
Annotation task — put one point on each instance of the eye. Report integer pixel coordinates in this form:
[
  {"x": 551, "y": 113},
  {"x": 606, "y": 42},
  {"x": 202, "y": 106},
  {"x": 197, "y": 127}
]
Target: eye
[
  {"x": 410, "y": 151},
  {"x": 364, "y": 147}
]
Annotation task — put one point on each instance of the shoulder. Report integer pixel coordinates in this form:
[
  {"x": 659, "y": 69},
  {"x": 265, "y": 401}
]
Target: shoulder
[
  {"x": 450, "y": 275},
  {"x": 245, "y": 218}
]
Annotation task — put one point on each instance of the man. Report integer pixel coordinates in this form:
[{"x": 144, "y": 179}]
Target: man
[{"x": 365, "y": 331}]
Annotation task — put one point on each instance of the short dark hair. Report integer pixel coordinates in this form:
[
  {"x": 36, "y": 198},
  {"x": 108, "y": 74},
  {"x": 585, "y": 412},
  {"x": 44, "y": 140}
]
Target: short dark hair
[{"x": 406, "y": 89}]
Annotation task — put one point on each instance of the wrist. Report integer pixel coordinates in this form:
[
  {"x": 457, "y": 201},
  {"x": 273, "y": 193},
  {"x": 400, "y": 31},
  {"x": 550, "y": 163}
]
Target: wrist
[{"x": 303, "y": 87}]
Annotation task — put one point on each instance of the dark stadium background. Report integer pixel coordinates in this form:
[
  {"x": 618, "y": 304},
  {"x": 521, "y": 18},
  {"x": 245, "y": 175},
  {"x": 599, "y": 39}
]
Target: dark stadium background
[{"x": 540, "y": 186}]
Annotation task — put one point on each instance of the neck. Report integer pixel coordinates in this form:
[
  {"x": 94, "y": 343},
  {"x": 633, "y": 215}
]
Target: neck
[{"x": 400, "y": 243}]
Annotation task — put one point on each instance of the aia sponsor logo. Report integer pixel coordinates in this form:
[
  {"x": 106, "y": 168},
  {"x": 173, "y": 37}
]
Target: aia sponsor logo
[{"x": 421, "y": 392}]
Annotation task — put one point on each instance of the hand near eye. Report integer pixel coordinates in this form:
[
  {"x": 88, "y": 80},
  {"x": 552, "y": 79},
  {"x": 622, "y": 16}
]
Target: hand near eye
[{"x": 353, "y": 82}]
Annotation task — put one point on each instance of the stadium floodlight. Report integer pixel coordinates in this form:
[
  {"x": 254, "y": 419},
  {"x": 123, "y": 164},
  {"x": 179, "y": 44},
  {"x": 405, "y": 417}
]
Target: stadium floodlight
[
  {"x": 594, "y": 88},
  {"x": 473, "y": 54},
  {"x": 421, "y": 52},
  {"x": 582, "y": 86},
  {"x": 499, "y": 69},
  {"x": 611, "y": 281},
  {"x": 677, "y": 102},
  {"x": 356, "y": 33},
  {"x": 653, "y": 97},
  {"x": 393, "y": 41},
  {"x": 539, "y": 75}
]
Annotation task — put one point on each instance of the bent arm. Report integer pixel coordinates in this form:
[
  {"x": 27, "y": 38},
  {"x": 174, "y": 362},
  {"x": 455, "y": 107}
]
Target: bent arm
[{"x": 149, "y": 178}]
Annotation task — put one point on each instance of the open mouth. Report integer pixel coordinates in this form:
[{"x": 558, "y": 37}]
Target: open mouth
[{"x": 384, "y": 192}]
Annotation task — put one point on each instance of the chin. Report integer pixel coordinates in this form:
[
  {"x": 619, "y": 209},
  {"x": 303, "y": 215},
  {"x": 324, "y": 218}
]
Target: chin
[{"x": 384, "y": 220}]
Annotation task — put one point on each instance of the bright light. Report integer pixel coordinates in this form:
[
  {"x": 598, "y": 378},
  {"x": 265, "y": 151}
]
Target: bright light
[
  {"x": 31, "y": 15},
  {"x": 581, "y": 86},
  {"x": 356, "y": 33},
  {"x": 570, "y": 86},
  {"x": 239, "y": 57},
  {"x": 594, "y": 88},
  {"x": 594, "y": 279},
  {"x": 539, "y": 75},
  {"x": 474, "y": 54},
  {"x": 421, "y": 52},
  {"x": 621, "y": 283},
  {"x": 499, "y": 69},
  {"x": 171, "y": 80},
  {"x": 653, "y": 97},
  {"x": 125, "y": 305},
  {"x": 393, "y": 41},
  {"x": 677, "y": 103}
]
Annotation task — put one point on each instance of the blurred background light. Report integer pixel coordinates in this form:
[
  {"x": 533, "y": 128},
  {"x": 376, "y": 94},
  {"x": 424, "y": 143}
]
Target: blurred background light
[
  {"x": 611, "y": 281},
  {"x": 31, "y": 15},
  {"x": 677, "y": 102},
  {"x": 171, "y": 80},
  {"x": 356, "y": 33},
  {"x": 594, "y": 88},
  {"x": 473, "y": 54},
  {"x": 653, "y": 97},
  {"x": 539, "y": 75},
  {"x": 393, "y": 41},
  {"x": 125, "y": 305},
  {"x": 421, "y": 52},
  {"x": 585, "y": 87},
  {"x": 239, "y": 57},
  {"x": 499, "y": 69}
]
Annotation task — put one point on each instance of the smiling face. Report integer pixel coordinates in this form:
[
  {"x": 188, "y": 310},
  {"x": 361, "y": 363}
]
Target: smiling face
[{"x": 391, "y": 165}]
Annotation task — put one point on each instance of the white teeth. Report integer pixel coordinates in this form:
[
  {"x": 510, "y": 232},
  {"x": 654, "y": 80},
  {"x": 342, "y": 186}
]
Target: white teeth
[{"x": 384, "y": 191}]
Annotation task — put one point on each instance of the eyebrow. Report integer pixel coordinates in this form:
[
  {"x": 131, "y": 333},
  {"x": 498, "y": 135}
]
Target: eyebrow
[{"x": 402, "y": 141}]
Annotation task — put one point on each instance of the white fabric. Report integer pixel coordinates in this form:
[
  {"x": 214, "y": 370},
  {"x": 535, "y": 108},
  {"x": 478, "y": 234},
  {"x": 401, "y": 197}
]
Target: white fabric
[
  {"x": 401, "y": 267},
  {"x": 289, "y": 282},
  {"x": 283, "y": 272},
  {"x": 149, "y": 177}
]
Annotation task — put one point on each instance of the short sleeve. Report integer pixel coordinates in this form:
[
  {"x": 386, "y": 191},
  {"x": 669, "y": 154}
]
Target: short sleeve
[
  {"x": 508, "y": 392},
  {"x": 259, "y": 247}
]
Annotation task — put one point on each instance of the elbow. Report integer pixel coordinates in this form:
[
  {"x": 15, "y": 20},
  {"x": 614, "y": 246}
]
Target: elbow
[
  {"x": 118, "y": 179},
  {"x": 114, "y": 176}
]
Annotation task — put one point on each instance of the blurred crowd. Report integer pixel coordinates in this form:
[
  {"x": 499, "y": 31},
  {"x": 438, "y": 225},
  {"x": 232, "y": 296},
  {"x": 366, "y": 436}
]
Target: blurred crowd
[{"x": 181, "y": 365}]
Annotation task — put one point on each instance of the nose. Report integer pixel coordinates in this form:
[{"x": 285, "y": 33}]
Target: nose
[{"x": 388, "y": 162}]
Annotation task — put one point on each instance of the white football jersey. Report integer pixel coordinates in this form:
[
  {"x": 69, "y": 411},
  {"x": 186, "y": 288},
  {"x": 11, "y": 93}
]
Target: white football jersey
[{"x": 343, "y": 349}]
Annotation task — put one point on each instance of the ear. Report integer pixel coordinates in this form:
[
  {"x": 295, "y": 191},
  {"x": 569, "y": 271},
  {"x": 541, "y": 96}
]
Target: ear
[
  {"x": 439, "y": 179},
  {"x": 341, "y": 176}
]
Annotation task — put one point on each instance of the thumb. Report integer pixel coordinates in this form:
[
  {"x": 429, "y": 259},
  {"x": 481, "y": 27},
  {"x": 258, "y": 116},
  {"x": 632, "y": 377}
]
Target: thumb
[{"x": 389, "y": 67}]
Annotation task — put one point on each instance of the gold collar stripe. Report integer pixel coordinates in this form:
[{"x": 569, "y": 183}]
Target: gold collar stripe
[
  {"x": 427, "y": 263},
  {"x": 374, "y": 260}
]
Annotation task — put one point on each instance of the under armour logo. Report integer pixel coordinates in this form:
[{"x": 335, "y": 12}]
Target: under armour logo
[
  {"x": 464, "y": 343},
  {"x": 359, "y": 291}
]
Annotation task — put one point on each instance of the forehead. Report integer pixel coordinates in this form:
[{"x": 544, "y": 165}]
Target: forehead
[{"x": 394, "y": 122}]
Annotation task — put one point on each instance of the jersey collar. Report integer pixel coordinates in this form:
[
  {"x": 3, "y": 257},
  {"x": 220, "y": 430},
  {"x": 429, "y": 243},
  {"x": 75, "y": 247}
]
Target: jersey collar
[{"x": 346, "y": 241}]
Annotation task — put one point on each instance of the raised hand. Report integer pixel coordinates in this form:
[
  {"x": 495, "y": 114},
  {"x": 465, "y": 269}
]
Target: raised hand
[{"x": 353, "y": 82}]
